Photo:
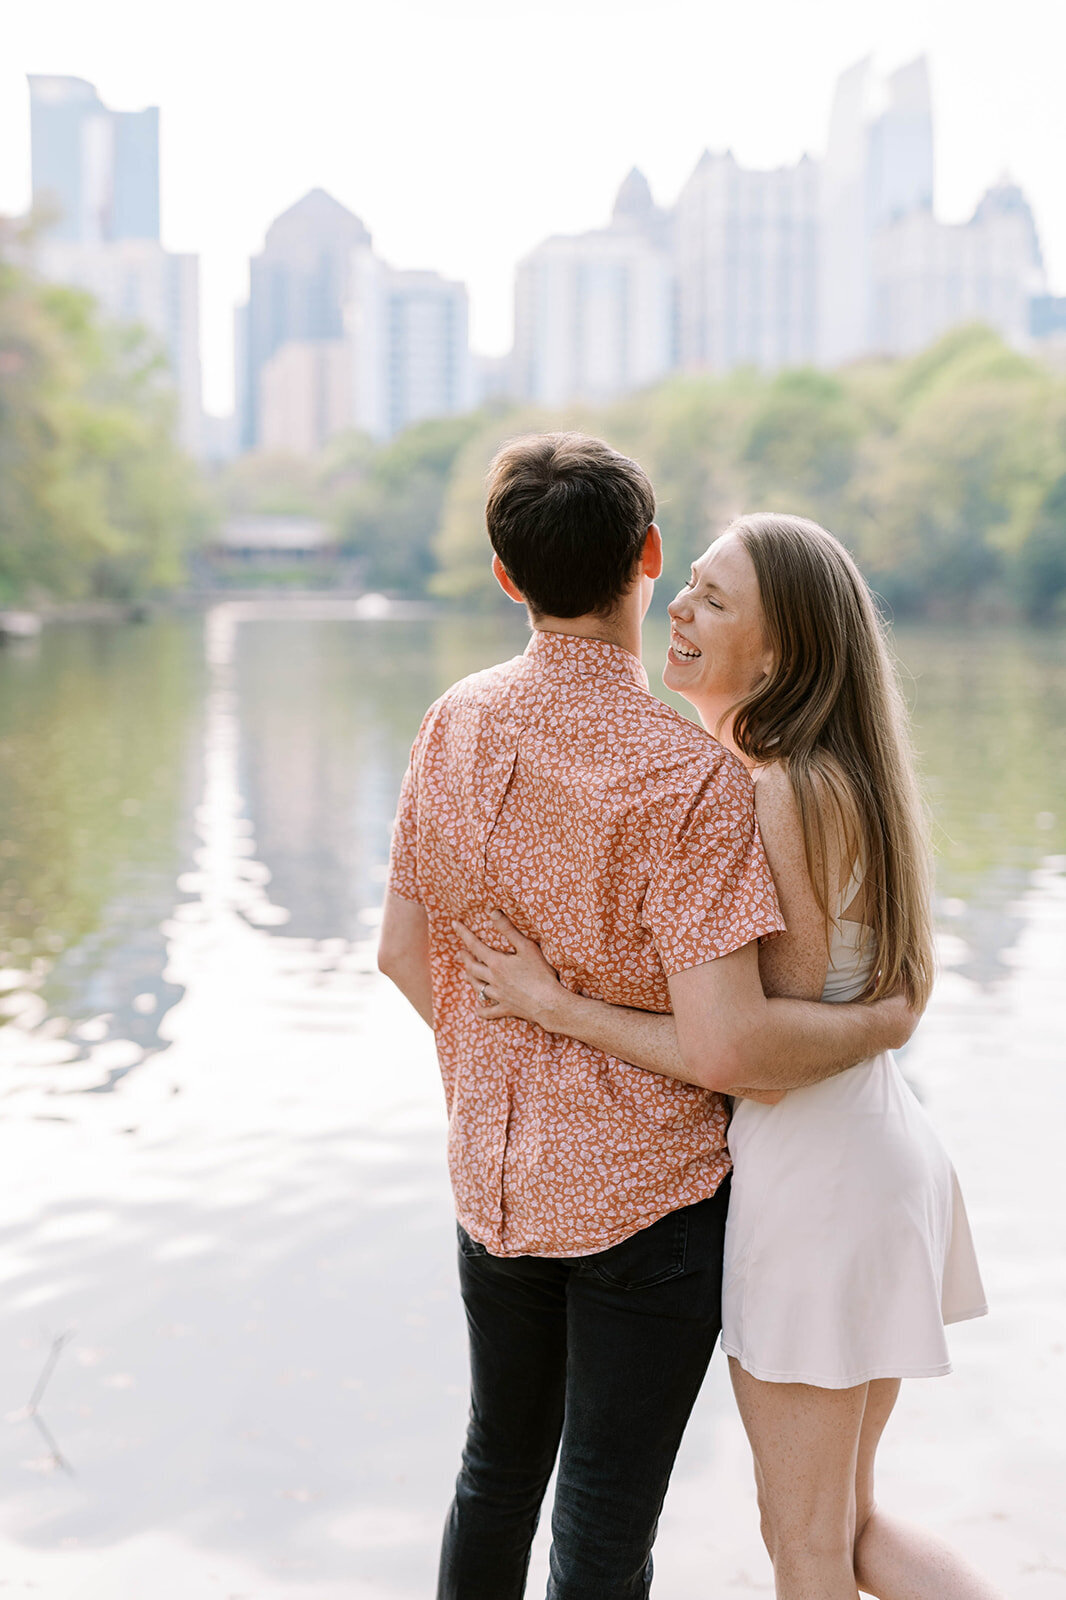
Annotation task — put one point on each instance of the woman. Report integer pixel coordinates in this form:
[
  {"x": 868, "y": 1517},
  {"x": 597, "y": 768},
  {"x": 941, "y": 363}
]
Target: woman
[{"x": 847, "y": 1245}]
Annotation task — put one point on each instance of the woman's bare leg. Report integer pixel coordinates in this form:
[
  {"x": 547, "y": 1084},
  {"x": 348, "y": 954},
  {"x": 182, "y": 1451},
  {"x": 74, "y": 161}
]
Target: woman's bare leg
[
  {"x": 805, "y": 1442},
  {"x": 894, "y": 1561}
]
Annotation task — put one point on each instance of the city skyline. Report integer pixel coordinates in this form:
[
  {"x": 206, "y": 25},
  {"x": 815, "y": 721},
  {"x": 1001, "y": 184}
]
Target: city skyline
[{"x": 410, "y": 138}]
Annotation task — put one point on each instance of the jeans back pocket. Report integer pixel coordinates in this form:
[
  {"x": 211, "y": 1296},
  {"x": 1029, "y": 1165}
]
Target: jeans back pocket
[{"x": 646, "y": 1258}]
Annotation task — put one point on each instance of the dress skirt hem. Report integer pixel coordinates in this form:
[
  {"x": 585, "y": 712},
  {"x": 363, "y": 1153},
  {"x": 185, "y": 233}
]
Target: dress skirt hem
[
  {"x": 820, "y": 1381},
  {"x": 852, "y": 1381}
]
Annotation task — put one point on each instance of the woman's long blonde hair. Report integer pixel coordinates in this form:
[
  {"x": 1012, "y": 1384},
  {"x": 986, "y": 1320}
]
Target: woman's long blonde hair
[{"x": 832, "y": 711}]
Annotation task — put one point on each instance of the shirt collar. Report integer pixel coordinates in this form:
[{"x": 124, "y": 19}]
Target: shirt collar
[{"x": 563, "y": 653}]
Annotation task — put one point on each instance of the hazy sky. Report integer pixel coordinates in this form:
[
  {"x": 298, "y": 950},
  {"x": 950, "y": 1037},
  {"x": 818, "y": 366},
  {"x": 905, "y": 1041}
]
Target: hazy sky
[{"x": 464, "y": 131}]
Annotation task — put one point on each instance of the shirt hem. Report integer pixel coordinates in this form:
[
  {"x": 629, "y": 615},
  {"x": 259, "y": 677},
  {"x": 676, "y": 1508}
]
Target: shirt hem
[{"x": 580, "y": 1252}]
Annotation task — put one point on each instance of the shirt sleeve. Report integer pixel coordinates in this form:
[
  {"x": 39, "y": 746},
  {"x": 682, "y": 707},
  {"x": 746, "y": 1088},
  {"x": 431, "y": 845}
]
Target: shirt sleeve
[
  {"x": 712, "y": 891},
  {"x": 403, "y": 857}
]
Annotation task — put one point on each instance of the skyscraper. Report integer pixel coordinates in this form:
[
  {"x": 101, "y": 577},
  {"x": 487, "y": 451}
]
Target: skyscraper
[
  {"x": 878, "y": 168},
  {"x": 96, "y": 183},
  {"x": 595, "y": 312},
  {"x": 299, "y": 285},
  {"x": 95, "y": 171},
  {"x": 409, "y": 347},
  {"x": 928, "y": 276},
  {"x": 747, "y": 261},
  {"x": 135, "y": 195},
  {"x": 305, "y": 395}
]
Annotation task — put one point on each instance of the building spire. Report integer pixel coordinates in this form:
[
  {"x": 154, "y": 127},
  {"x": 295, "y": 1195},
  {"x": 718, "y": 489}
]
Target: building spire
[{"x": 633, "y": 202}]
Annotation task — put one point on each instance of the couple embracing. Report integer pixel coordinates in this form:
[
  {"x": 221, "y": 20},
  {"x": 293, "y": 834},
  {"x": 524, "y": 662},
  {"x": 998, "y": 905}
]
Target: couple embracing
[{"x": 665, "y": 966}]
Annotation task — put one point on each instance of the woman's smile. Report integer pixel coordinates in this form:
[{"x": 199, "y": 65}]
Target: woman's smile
[
  {"x": 681, "y": 651},
  {"x": 718, "y": 650}
]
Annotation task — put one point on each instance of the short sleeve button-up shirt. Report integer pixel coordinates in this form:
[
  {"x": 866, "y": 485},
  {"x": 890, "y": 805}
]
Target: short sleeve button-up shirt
[{"x": 622, "y": 838}]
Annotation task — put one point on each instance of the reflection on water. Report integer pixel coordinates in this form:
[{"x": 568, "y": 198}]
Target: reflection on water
[
  {"x": 117, "y": 743},
  {"x": 100, "y": 744},
  {"x": 328, "y": 711},
  {"x": 990, "y": 716}
]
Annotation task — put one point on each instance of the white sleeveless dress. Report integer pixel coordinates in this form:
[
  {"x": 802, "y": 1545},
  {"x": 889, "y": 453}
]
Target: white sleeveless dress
[{"x": 847, "y": 1242}]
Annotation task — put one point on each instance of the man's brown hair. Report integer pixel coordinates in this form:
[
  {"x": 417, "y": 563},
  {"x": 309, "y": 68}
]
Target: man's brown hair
[{"x": 568, "y": 517}]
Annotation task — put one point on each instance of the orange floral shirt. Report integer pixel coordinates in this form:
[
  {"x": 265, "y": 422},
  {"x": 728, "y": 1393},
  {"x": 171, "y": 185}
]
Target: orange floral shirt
[{"x": 622, "y": 838}]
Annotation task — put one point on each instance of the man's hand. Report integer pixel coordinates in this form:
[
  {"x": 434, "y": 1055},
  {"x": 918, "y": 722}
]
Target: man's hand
[{"x": 899, "y": 1018}]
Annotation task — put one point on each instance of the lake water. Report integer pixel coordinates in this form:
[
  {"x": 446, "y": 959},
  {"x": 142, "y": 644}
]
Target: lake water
[{"x": 224, "y": 1211}]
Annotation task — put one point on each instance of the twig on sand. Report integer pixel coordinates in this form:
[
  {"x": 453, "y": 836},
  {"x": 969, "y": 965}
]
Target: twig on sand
[{"x": 38, "y": 1392}]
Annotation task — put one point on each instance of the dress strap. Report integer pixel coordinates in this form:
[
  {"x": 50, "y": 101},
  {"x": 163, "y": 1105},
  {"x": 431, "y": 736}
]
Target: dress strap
[{"x": 851, "y": 888}]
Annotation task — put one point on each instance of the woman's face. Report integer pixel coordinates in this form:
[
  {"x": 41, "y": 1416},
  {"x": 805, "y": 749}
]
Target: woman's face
[{"x": 719, "y": 650}]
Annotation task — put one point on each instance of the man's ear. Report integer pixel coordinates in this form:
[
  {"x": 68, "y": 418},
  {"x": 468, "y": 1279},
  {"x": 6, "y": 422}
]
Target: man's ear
[
  {"x": 651, "y": 560},
  {"x": 499, "y": 572}
]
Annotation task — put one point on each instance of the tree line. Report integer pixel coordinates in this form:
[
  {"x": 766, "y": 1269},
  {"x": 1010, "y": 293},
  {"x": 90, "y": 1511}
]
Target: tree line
[
  {"x": 96, "y": 498},
  {"x": 945, "y": 473}
]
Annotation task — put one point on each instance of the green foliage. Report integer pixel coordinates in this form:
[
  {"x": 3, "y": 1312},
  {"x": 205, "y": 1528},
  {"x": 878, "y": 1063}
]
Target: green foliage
[
  {"x": 687, "y": 435},
  {"x": 945, "y": 474},
  {"x": 800, "y": 445},
  {"x": 391, "y": 517},
  {"x": 460, "y": 549},
  {"x": 1040, "y": 562},
  {"x": 95, "y": 497}
]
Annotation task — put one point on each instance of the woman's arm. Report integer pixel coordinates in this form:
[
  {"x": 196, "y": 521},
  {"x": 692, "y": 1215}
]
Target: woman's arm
[
  {"x": 734, "y": 1035},
  {"x": 792, "y": 967},
  {"x": 794, "y": 963},
  {"x": 521, "y": 983}
]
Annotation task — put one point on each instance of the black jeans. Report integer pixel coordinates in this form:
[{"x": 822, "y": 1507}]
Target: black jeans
[{"x": 600, "y": 1360}]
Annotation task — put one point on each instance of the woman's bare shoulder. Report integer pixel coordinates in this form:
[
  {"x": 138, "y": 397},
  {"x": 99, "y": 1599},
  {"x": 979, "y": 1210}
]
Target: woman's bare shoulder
[
  {"x": 793, "y": 963},
  {"x": 776, "y": 805},
  {"x": 830, "y": 853}
]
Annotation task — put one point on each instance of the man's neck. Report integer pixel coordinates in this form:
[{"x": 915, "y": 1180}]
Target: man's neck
[{"x": 620, "y": 627}]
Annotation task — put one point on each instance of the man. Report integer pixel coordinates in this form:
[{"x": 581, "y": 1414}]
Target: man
[{"x": 590, "y": 1195}]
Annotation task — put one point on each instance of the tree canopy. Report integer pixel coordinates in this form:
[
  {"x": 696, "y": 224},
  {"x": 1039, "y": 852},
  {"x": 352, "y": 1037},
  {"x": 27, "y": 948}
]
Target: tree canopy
[
  {"x": 944, "y": 473},
  {"x": 96, "y": 499}
]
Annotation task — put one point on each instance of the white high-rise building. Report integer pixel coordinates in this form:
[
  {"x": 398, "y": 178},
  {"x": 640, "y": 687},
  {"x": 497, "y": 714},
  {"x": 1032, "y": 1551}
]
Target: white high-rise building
[
  {"x": 95, "y": 171},
  {"x": 929, "y": 276},
  {"x": 747, "y": 258},
  {"x": 298, "y": 289},
  {"x": 96, "y": 183},
  {"x": 409, "y": 347},
  {"x": 305, "y": 395},
  {"x": 137, "y": 281},
  {"x": 594, "y": 312},
  {"x": 878, "y": 168}
]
